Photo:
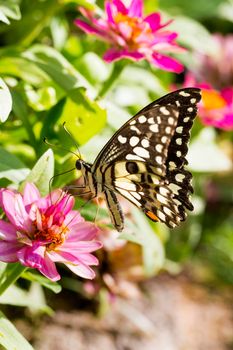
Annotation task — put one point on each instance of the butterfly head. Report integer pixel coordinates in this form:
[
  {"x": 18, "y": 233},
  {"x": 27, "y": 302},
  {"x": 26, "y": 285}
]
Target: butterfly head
[{"x": 83, "y": 166}]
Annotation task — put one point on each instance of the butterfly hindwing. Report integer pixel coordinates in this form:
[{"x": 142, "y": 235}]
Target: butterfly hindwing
[{"x": 145, "y": 160}]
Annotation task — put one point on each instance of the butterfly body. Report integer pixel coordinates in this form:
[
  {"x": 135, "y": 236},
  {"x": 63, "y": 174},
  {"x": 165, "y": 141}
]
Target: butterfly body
[{"x": 145, "y": 161}]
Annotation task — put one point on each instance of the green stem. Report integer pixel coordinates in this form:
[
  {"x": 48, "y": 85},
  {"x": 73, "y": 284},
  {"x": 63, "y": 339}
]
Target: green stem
[
  {"x": 117, "y": 69},
  {"x": 12, "y": 276}
]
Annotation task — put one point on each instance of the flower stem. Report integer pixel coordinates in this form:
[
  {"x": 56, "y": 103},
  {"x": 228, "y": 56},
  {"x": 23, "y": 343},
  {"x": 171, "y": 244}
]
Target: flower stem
[
  {"x": 10, "y": 275},
  {"x": 117, "y": 69}
]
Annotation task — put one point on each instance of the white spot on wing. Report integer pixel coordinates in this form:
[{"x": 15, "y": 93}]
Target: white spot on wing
[
  {"x": 134, "y": 141},
  {"x": 141, "y": 152},
  {"x": 179, "y": 129},
  {"x": 135, "y": 129},
  {"x": 145, "y": 143},
  {"x": 161, "y": 198},
  {"x": 170, "y": 121},
  {"x": 179, "y": 177},
  {"x": 151, "y": 120},
  {"x": 136, "y": 195},
  {"x": 168, "y": 129},
  {"x": 125, "y": 185},
  {"x": 129, "y": 196},
  {"x": 183, "y": 93},
  {"x": 178, "y": 153},
  {"x": 161, "y": 215},
  {"x": 193, "y": 100},
  {"x": 122, "y": 139},
  {"x": 159, "y": 148},
  {"x": 175, "y": 188},
  {"x": 134, "y": 157},
  {"x": 164, "y": 139},
  {"x": 186, "y": 119},
  {"x": 172, "y": 165},
  {"x": 179, "y": 141},
  {"x": 154, "y": 128},
  {"x": 159, "y": 159},
  {"x": 167, "y": 211},
  {"x": 190, "y": 109},
  {"x": 142, "y": 119},
  {"x": 164, "y": 191},
  {"x": 133, "y": 122},
  {"x": 164, "y": 110}
]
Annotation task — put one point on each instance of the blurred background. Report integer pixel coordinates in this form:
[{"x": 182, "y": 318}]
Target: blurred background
[{"x": 155, "y": 288}]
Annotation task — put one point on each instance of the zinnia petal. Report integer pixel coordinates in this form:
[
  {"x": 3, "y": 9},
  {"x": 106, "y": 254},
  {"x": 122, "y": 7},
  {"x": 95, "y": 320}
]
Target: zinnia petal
[
  {"x": 167, "y": 63},
  {"x": 120, "y": 6},
  {"x": 9, "y": 250},
  {"x": 135, "y": 8},
  {"x": 115, "y": 55},
  {"x": 82, "y": 271},
  {"x": 48, "y": 269},
  {"x": 81, "y": 247},
  {"x": 8, "y": 231},
  {"x": 89, "y": 29},
  {"x": 14, "y": 208},
  {"x": 72, "y": 218},
  {"x": 153, "y": 20},
  {"x": 108, "y": 9},
  {"x": 32, "y": 256},
  {"x": 31, "y": 194},
  {"x": 83, "y": 231}
]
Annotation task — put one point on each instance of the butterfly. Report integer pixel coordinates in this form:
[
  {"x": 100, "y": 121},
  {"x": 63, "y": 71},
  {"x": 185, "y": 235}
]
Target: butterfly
[{"x": 144, "y": 161}]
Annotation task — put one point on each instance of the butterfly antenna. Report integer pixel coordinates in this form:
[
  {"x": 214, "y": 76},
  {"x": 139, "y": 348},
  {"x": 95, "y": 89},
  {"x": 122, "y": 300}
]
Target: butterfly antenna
[
  {"x": 53, "y": 177},
  {"x": 72, "y": 138},
  {"x": 57, "y": 146}
]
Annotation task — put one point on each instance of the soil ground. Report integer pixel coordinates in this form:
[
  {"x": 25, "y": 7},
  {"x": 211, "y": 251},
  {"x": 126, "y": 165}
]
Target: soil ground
[{"x": 170, "y": 314}]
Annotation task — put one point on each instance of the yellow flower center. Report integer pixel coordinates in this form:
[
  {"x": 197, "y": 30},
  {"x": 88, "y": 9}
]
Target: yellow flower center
[
  {"x": 54, "y": 235},
  {"x": 136, "y": 27}
]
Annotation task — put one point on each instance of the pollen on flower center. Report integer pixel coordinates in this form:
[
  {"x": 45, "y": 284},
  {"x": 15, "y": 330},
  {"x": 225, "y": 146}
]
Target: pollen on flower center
[{"x": 53, "y": 237}]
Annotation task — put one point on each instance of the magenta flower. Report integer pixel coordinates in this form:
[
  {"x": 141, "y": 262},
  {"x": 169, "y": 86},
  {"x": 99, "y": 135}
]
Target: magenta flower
[
  {"x": 216, "y": 106},
  {"x": 133, "y": 36},
  {"x": 42, "y": 231}
]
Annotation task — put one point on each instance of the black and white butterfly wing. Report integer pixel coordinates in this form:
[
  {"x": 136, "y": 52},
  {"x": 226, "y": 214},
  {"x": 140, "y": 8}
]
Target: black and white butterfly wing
[{"x": 144, "y": 161}]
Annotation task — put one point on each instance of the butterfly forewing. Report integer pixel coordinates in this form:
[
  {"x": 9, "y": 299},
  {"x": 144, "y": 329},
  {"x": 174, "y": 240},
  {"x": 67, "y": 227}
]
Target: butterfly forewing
[{"x": 144, "y": 161}]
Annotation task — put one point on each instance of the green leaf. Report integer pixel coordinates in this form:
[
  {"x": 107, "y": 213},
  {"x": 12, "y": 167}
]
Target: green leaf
[
  {"x": 33, "y": 299},
  {"x": 83, "y": 116},
  {"x": 56, "y": 66},
  {"x": 41, "y": 173},
  {"x": 196, "y": 9},
  {"x": 5, "y": 101},
  {"x": 88, "y": 4},
  {"x": 10, "y": 337},
  {"x": 9, "y": 10},
  {"x": 45, "y": 282},
  {"x": 11, "y": 167},
  {"x": 41, "y": 99},
  {"x": 19, "y": 67},
  {"x": 89, "y": 64}
]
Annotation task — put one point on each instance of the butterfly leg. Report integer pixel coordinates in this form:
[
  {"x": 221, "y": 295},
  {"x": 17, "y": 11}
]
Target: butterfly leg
[{"x": 115, "y": 210}]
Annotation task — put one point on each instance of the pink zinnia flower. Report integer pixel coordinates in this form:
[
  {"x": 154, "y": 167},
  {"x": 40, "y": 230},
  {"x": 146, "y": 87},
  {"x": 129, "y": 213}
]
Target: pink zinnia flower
[
  {"x": 42, "y": 231},
  {"x": 216, "y": 106},
  {"x": 132, "y": 35}
]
